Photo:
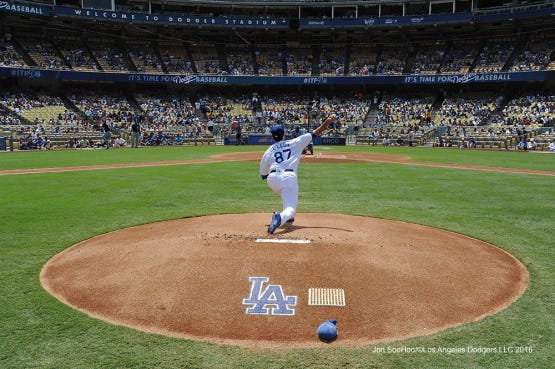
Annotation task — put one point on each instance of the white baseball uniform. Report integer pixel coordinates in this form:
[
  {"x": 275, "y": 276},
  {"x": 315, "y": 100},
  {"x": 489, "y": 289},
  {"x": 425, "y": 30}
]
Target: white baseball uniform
[{"x": 279, "y": 164}]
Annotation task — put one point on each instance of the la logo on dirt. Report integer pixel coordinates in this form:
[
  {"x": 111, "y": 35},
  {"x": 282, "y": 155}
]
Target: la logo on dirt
[{"x": 269, "y": 300}]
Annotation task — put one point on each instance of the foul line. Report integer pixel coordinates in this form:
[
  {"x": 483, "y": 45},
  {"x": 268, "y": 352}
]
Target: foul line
[{"x": 281, "y": 240}]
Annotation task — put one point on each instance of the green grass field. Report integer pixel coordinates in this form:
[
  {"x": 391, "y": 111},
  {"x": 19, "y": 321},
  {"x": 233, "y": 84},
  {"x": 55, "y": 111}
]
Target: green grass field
[{"x": 42, "y": 214}]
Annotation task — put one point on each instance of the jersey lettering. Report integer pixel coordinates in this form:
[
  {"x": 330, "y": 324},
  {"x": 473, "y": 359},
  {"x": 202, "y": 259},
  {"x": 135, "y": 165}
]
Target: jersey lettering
[
  {"x": 271, "y": 300},
  {"x": 280, "y": 145}
]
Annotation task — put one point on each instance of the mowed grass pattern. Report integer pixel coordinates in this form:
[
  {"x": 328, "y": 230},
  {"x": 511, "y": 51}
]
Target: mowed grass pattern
[{"x": 42, "y": 214}]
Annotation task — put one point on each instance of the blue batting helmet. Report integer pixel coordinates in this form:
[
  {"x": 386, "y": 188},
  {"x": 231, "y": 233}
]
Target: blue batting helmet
[
  {"x": 278, "y": 132},
  {"x": 327, "y": 331}
]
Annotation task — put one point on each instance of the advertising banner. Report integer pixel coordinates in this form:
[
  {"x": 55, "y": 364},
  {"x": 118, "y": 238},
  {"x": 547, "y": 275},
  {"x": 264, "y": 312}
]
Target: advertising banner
[
  {"x": 177, "y": 19},
  {"x": 384, "y": 21},
  {"x": 25, "y": 8},
  {"x": 168, "y": 79}
]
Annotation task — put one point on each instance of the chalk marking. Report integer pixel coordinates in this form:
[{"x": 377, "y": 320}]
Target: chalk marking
[{"x": 281, "y": 240}]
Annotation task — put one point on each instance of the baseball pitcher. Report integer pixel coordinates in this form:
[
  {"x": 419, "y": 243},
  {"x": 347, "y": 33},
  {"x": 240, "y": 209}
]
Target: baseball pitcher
[{"x": 279, "y": 167}]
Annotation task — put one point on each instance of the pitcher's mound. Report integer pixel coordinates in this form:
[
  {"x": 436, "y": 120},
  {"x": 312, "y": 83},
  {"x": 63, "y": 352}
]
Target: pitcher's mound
[{"x": 223, "y": 279}]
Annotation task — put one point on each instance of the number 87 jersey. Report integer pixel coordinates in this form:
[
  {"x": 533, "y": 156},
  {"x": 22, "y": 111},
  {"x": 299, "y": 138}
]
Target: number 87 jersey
[{"x": 284, "y": 155}]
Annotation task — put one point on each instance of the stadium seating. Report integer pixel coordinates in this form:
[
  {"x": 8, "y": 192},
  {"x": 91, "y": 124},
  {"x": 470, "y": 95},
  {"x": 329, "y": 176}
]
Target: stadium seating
[{"x": 492, "y": 119}]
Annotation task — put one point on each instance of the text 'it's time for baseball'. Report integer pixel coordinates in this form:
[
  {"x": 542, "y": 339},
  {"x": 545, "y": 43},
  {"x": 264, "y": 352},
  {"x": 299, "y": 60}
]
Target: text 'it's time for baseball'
[{"x": 453, "y": 350}]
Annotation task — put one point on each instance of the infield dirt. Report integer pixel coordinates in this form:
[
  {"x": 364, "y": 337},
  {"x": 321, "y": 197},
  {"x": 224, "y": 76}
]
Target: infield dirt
[{"x": 196, "y": 278}]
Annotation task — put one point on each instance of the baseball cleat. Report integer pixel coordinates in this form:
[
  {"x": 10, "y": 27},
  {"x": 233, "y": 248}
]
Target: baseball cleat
[{"x": 276, "y": 222}]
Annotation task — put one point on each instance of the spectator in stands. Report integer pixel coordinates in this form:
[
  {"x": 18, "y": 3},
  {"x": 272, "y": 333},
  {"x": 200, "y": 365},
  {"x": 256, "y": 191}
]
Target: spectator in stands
[
  {"x": 532, "y": 144},
  {"x": 522, "y": 145},
  {"x": 72, "y": 143},
  {"x": 107, "y": 134},
  {"x": 411, "y": 137},
  {"x": 552, "y": 146},
  {"x": 84, "y": 143},
  {"x": 135, "y": 134},
  {"x": 210, "y": 126},
  {"x": 30, "y": 143},
  {"x": 238, "y": 134},
  {"x": 120, "y": 142},
  {"x": 439, "y": 142},
  {"x": 428, "y": 116},
  {"x": 21, "y": 143},
  {"x": 39, "y": 143},
  {"x": 178, "y": 140}
]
